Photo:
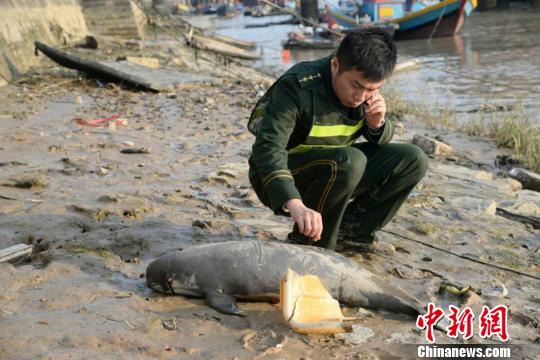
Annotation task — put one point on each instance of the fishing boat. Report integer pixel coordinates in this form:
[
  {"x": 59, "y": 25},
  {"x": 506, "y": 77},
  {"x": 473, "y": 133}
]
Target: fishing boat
[
  {"x": 325, "y": 39},
  {"x": 317, "y": 40},
  {"x": 230, "y": 10},
  {"x": 415, "y": 20}
]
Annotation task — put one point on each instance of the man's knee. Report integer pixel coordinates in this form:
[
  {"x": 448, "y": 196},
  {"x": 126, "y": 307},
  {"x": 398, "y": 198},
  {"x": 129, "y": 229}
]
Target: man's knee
[
  {"x": 417, "y": 158},
  {"x": 351, "y": 164}
]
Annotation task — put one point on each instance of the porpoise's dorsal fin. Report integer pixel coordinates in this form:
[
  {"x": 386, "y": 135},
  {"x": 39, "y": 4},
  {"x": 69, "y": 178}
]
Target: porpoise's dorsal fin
[{"x": 224, "y": 303}]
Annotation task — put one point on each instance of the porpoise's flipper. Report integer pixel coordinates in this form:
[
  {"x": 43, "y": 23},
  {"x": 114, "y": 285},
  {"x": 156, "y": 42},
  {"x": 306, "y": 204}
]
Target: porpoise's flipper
[{"x": 222, "y": 302}]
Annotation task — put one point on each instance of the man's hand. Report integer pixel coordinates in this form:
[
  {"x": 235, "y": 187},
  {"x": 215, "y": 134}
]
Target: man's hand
[
  {"x": 374, "y": 110},
  {"x": 309, "y": 221}
]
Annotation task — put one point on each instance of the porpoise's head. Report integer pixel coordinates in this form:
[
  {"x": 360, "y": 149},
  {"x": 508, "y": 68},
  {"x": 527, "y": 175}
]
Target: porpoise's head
[
  {"x": 169, "y": 275},
  {"x": 157, "y": 277}
]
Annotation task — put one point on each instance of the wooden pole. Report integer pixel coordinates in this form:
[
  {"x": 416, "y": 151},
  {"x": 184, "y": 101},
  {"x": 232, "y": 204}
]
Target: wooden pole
[
  {"x": 309, "y": 10},
  {"x": 14, "y": 252}
]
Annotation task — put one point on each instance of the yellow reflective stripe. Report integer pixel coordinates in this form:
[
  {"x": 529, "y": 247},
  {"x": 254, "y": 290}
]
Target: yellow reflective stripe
[
  {"x": 334, "y": 130},
  {"x": 304, "y": 148},
  {"x": 276, "y": 174},
  {"x": 265, "y": 184}
]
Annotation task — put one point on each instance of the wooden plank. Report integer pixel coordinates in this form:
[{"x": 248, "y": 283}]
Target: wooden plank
[
  {"x": 407, "y": 65},
  {"x": 209, "y": 44},
  {"x": 14, "y": 252},
  {"x": 123, "y": 71},
  {"x": 248, "y": 45}
]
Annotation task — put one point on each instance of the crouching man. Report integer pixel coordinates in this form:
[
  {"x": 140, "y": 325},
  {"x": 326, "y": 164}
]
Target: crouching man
[{"x": 306, "y": 161}]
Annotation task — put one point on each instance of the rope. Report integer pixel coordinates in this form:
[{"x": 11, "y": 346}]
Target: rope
[
  {"x": 500, "y": 267},
  {"x": 309, "y": 21},
  {"x": 437, "y": 24}
]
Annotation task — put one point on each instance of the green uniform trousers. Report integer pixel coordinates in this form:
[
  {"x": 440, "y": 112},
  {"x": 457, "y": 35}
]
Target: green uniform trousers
[{"x": 364, "y": 185}]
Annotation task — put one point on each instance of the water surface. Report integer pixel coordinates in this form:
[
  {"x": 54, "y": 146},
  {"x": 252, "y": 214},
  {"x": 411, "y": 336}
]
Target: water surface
[{"x": 495, "y": 60}]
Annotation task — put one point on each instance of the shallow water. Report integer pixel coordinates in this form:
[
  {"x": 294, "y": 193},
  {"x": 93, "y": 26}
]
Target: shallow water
[{"x": 495, "y": 60}]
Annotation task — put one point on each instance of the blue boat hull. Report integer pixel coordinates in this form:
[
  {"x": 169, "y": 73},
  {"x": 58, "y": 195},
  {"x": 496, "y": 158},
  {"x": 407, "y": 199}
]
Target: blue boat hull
[{"x": 443, "y": 19}]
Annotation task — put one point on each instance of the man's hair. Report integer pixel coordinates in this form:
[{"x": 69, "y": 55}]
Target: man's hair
[{"x": 370, "y": 51}]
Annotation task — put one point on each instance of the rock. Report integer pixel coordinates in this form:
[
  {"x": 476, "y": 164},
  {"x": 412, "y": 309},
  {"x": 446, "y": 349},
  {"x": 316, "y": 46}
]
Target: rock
[
  {"x": 483, "y": 175},
  {"x": 431, "y": 146},
  {"x": 496, "y": 289},
  {"x": 202, "y": 224},
  {"x": 520, "y": 207},
  {"x": 2, "y": 82},
  {"x": 475, "y": 205},
  {"x": 529, "y": 179},
  {"x": 399, "y": 128},
  {"x": 102, "y": 171},
  {"x": 528, "y": 195},
  {"x": 384, "y": 248},
  {"x": 224, "y": 180},
  {"x": 142, "y": 150},
  {"x": 513, "y": 184},
  {"x": 27, "y": 182},
  {"x": 134, "y": 45},
  {"x": 359, "y": 335},
  {"x": 507, "y": 160},
  {"x": 472, "y": 300},
  {"x": 177, "y": 62},
  {"x": 169, "y": 324}
]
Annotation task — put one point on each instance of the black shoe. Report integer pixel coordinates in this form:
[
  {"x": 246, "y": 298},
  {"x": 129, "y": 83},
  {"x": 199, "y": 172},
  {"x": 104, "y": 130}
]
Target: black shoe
[
  {"x": 298, "y": 239},
  {"x": 365, "y": 245}
]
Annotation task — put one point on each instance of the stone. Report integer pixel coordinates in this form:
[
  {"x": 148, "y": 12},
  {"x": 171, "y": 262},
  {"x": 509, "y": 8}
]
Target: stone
[
  {"x": 359, "y": 335},
  {"x": 475, "y": 205},
  {"x": 134, "y": 45},
  {"x": 102, "y": 171},
  {"x": 177, "y": 62},
  {"x": 513, "y": 184},
  {"x": 431, "y": 146},
  {"x": 3, "y": 82},
  {"x": 529, "y": 195},
  {"x": 483, "y": 175},
  {"x": 202, "y": 224},
  {"x": 399, "y": 128},
  {"x": 529, "y": 179},
  {"x": 526, "y": 208}
]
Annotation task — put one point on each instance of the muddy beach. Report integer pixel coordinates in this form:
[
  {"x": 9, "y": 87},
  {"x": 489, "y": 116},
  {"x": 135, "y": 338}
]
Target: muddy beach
[{"x": 98, "y": 214}]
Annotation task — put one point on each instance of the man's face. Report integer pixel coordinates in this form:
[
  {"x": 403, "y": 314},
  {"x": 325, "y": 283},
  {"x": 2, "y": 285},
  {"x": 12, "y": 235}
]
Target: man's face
[{"x": 350, "y": 86}]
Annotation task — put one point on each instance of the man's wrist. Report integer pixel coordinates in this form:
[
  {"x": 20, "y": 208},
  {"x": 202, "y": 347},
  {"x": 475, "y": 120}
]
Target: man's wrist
[
  {"x": 291, "y": 202},
  {"x": 376, "y": 128}
]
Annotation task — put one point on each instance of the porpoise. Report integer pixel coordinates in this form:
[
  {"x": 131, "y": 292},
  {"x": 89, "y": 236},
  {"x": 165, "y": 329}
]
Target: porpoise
[{"x": 222, "y": 272}]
